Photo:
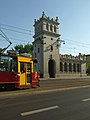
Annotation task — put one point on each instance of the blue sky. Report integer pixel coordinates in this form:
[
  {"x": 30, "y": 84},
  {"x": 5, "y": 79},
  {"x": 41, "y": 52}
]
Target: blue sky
[{"x": 74, "y": 18}]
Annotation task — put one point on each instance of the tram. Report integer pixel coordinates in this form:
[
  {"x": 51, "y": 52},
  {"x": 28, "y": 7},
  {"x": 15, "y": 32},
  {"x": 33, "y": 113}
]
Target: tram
[{"x": 18, "y": 71}]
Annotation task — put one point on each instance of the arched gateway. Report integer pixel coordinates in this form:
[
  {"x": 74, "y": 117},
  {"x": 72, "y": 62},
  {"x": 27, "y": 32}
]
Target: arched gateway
[{"x": 52, "y": 68}]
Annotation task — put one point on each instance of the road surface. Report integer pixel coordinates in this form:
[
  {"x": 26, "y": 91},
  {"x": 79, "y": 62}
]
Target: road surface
[
  {"x": 59, "y": 105},
  {"x": 52, "y": 85}
]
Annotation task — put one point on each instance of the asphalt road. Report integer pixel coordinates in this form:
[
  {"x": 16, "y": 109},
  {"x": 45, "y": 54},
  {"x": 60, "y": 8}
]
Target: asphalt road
[
  {"x": 51, "y": 85},
  {"x": 60, "y": 105}
]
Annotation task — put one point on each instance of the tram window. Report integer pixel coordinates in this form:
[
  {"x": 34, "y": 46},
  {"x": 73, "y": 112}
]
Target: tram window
[
  {"x": 2, "y": 67},
  {"x": 14, "y": 66},
  {"x": 28, "y": 78},
  {"x": 28, "y": 67},
  {"x": 6, "y": 64},
  {"x": 22, "y": 67},
  {"x": 35, "y": 67}
]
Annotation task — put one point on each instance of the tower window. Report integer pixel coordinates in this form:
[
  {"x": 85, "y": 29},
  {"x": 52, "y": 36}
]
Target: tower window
[
  {"x": 51, "y": 48},
  {"x": 38, "y": 50},
  {"x": 51, "y": 38},
  {"x": 51, "y": 27},
  {"x": 41, "y": 28},
  {"x": 47, "y": 26},
  {"x": 35, "y": 54},
  {"x": 54, "y": 28}
]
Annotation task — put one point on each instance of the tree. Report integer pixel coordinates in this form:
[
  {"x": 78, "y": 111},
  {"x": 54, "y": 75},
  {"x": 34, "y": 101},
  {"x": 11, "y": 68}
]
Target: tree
[
  {"x": 28, "y": 48},
  {"x": 1, "y": 50}
]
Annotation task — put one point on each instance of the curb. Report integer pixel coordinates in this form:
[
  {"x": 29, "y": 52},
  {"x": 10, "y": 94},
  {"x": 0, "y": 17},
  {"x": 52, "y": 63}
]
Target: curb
[{"x": 39, "y": 92}]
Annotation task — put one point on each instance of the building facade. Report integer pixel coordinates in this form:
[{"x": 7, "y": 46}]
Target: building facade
[
  {"x": 46, "y": 49},
  {"x": 73, "y": 65}
]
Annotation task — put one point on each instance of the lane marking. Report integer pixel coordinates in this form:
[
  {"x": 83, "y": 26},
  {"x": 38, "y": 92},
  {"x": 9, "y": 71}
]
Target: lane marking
[
  {"x": 85, "y": 100},
  {"x": 39, "y": 110}
]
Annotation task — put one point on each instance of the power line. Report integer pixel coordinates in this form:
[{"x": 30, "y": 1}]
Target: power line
[
  {"x": 19, "y": 39},
  {"x": 78, "y": 44},
  {"x": 74, "y": 49},
  {"x": 76, "y": 41},
  {"x": 16, "y": 31},
  {"x": 16, "y": 40},
  {"x": 16, "y": 27},
  {"x": 22, "y": 40}
]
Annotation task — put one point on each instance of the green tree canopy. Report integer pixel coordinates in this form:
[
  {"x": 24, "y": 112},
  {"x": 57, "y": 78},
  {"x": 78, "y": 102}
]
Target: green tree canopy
[
  {"x": 28, "y": 48},
  {"x": 1, "y": 50}
]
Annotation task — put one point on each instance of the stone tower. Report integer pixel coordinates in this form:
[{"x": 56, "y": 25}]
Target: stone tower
[{"x": 46, "y": 46}]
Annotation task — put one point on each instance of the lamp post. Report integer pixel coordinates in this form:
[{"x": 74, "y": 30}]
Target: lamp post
[
  {"x": 80, "y": 68},
  {"x": 59, "y": 42}
]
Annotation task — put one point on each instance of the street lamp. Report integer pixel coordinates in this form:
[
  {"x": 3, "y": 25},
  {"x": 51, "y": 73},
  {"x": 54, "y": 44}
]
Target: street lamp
[{"x": 59, "y": 42}]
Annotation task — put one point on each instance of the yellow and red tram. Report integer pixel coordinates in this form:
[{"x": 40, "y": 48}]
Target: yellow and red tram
[{"x": 17, "y": 71}]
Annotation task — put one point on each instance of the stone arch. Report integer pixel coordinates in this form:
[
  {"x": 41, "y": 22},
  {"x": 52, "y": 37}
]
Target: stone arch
[
  {"x": 70, "y": 67},
  {"x": 52, "y": 68},
  {"x": 65, "y": 67},
  {"x": 74, "y": 67},
  {"x": 51, "y": 27},
  {"x": 78, "y": 67}
]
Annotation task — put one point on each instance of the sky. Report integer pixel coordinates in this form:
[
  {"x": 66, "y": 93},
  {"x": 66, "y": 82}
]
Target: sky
[{"x": 17, "y": 19}]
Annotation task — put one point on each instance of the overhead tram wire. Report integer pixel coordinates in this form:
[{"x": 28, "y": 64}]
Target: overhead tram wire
[
  {"x": 18, "y": 39},
  {"x": 76, "y": 44},
  {"x": 76, "y": 41},
  {"x": 16, "y": 27},
  {"x": 16, "y": 31},
  {"x": 21, "y": 40},
  {"x": 72, "y": 50}
]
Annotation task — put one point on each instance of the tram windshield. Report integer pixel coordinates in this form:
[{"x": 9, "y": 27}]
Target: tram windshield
[
  {"x": 36, "y": 66},
  {"x": 8, "y": 64}
]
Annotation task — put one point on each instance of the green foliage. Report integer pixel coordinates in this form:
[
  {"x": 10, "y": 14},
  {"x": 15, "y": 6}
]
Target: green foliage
[
  {"x": 88, "y": 62},
  {"x": 1, "y": 50},
  {"x": 28, "y": 48},
  {"x": 19, "y": 48}
]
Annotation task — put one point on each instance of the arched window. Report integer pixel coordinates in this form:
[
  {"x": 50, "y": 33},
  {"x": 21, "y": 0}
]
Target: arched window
[
  {"x": 65, "y": 66},
  {"x": 47, "y": 26},
  {"x": 61, "y": 66},
  {"x": 35, "y": 54},
  {"x": 70, "y": 67},
  {"x": 74, "y": 67},
  {"x": 54, "y": 28},
  {"x": 38, "y": 50},
  {"x": 51, "y": 48},
  {"x": 78, "y": 68},
  {"x": 51, "y": 27}
]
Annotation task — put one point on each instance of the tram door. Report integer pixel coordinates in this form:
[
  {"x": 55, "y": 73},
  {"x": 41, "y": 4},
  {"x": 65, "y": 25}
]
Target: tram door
[
  {"x": 25, "y": 69},
  {"x": 28, "y": 72}
]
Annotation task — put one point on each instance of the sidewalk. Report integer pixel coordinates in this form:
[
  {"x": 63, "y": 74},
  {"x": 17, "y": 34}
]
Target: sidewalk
[{"x": 66, "y": 77}]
